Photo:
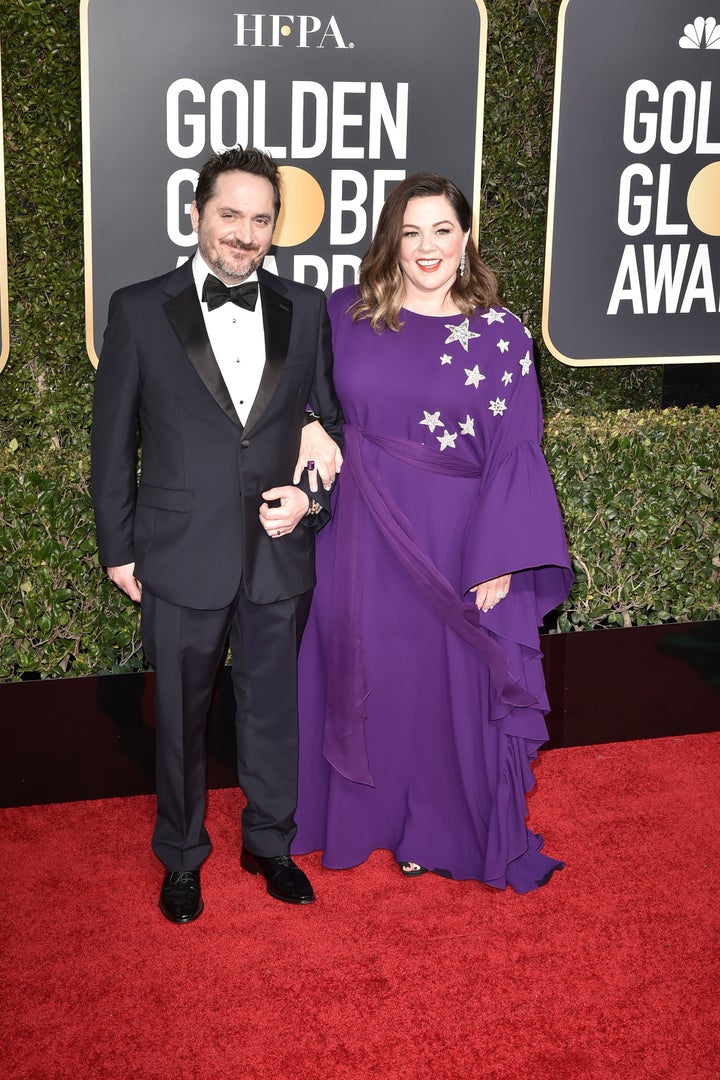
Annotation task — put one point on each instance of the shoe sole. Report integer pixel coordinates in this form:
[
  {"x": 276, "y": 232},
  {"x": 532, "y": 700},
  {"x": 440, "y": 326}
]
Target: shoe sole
[{"x": 288, "y": 900}]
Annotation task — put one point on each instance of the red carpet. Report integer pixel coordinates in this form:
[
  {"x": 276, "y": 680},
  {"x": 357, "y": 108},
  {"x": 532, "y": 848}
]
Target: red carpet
[{"x": 612, "y": 970}]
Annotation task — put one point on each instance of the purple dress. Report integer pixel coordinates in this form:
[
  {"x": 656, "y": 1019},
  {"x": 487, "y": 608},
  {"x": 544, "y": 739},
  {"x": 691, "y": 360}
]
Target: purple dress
[{"x": 419, "y": 715}]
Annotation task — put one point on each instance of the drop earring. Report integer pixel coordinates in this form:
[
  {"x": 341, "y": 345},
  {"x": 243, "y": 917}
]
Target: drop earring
[{"x": 461, "y": 267}]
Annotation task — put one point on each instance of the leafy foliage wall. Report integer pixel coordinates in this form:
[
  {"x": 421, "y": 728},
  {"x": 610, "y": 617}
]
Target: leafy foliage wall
[{"x": 637, "y": 484}]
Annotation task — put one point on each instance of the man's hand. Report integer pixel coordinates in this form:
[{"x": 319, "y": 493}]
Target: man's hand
[
  {"x": 316, "y": 445},
  {"x": 281, "y": 520},
  {"x": 490, "y": 593},
  {"x": 124, "y": 578}
]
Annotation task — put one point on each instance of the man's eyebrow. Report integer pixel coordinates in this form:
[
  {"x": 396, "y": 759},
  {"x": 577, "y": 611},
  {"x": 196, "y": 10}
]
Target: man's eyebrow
[{"x": 232, "y": 210}]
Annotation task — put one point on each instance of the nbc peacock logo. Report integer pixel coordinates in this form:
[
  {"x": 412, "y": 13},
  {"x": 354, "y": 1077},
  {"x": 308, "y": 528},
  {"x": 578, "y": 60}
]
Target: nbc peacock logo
[{"x": 701, "y": 34}]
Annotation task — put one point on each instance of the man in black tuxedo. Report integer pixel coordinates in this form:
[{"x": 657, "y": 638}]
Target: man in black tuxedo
[{"x": 217, "y": 363}]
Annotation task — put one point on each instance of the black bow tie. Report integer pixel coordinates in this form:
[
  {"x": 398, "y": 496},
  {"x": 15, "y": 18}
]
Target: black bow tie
[{"x": 215, "y": 294}]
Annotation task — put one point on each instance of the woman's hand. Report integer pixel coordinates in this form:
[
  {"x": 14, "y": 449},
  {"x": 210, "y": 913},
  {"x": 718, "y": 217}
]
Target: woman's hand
[
  {"x": 490, "y": 593},
  {"x": 316, "y": 446}
]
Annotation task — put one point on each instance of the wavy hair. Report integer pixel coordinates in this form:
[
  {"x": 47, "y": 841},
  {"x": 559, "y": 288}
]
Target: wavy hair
[{"x": 382, "y": 289}]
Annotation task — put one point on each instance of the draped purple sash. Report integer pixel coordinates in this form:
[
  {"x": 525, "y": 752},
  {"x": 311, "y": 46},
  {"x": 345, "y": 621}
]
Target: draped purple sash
[{"x": 348, "y": 681}]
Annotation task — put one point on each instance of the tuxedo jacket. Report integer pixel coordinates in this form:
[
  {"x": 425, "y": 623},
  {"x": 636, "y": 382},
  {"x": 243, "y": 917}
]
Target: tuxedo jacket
[{"x": 188, "y": 515}]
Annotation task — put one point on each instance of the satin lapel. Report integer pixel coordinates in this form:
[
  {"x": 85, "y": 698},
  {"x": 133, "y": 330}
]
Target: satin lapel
[
  {"x": 277, "y": 321},
  {"x": 185, "y": 315}
]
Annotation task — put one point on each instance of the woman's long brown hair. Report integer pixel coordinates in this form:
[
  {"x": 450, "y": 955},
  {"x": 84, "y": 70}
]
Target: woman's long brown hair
[{"x": 382, "y": 289}]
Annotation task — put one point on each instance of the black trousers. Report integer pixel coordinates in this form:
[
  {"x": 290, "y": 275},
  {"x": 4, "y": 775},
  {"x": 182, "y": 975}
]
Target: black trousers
[{"x": 185, "y": 647}]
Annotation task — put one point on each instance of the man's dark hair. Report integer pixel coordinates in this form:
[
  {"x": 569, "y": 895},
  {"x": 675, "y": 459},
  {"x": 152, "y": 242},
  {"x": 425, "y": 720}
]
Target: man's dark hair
[{"x": 249, "y": 160}]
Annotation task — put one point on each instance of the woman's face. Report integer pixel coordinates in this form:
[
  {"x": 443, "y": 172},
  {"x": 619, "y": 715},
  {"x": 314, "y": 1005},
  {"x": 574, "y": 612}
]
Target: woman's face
[{"x": 431, "y": 245}]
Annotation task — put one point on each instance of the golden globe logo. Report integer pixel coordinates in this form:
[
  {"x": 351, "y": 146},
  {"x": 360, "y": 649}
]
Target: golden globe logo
[
  {"x": 662, "y": 278},
  {"x": 276, "y": 78},
  {"x": 361, "y": 171},
  {"x": 265, "y": 31},
  {"x": 635, "y": 179}
]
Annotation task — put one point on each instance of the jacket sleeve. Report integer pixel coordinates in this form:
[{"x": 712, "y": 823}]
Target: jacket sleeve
[
  {"x": 115, "y": 439},
  {"x": 324, "y": 403}
]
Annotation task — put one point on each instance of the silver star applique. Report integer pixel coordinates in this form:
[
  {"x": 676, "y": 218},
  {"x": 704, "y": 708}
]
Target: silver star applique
[
  {"x": 446, "y": 439},
  {"x": 497, "y": 407},
  {"x": 461, "y": 333},
  {"x": 445, "y": 359},
  {"x": 494, "y": 316},
  {"x": 474, "y": 376},
  {"x": 526, "y": 363},
  {"x": 507, "y": 377},
  {"x": 467, "y": 427},
  {"x": 432, "y": 420},
  {"x": 503, "y": 345}
]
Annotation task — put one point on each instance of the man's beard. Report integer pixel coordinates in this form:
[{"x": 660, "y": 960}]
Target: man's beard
[{"x": 230, "y": 271}]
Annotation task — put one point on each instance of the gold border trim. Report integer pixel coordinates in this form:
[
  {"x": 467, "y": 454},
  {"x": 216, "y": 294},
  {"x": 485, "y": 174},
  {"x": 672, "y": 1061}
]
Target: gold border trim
[
  {"x": 480, "y": 117},
  {"x": 4, "y": 299},
  {"x": 87, "y": 208},
  {"x": 574, "y": 362}
]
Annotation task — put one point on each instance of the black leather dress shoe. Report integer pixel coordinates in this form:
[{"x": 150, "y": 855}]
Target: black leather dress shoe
[
  {"x": 285, "y": 880},
  {"x": 180, "y": 899}
]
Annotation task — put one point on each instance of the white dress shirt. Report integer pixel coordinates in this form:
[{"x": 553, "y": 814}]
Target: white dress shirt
[{"x": 237, "y": 338}]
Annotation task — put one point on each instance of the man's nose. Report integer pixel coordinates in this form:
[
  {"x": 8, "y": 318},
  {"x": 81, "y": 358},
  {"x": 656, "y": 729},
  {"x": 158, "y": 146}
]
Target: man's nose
[{"x": 243, "y": 231}]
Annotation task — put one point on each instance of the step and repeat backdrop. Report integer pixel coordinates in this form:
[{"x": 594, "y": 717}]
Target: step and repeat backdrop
[
  {"x": 350, "y": 98},
  {"x": 633, "y": 245}
]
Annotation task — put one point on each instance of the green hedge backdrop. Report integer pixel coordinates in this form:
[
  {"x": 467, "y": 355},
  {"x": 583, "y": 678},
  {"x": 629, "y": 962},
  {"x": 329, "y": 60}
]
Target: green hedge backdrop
[{"x": 637, "y": 484}]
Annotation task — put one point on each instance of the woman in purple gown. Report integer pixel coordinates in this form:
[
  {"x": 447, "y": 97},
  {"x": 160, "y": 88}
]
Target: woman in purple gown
[{"x": 422, "y": 695}]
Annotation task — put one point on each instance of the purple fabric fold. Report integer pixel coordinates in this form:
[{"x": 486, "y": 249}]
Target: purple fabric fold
[
  {"x": 426, "y": 759},
  {"x": 348, "y": 682}
]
